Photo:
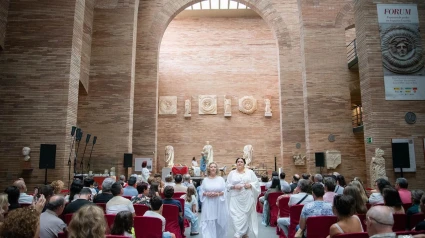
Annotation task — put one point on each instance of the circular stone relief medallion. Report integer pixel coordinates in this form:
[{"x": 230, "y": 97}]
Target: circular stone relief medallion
[
  {"x": 331, "y": 138},
  {"x": 247, "y": 104},
  {"x": 167, "y": 105},
  {"x": 208, "y": 104},
  {"x": 410, "y": 118}
]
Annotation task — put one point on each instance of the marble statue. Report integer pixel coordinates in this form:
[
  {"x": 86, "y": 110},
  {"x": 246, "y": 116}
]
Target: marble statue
[
  {"x": 169, "y": 155},
  {"x": 333, "y": 158},
  {"x": 208, "y": 152},
  {"x": 26, "y": 153},
  {"x": 377, "y": 166},
  {"x": 299, "y": 159},
  {"x": 112, "y": 171},
  {"x": 267, "y": 109},
  {"x": 247, "y": 154},
  {"x": 187, "y": 108},
  {"x": 207, "y": 104},
  {"x": 227, "y": 107}
]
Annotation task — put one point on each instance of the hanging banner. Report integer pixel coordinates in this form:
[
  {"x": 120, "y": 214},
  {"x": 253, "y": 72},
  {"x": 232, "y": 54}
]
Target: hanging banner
[{"x": 402, "y": 52}]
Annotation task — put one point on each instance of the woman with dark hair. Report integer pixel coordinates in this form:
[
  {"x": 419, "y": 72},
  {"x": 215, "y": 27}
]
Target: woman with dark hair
[
  {"x": 275, "y": 187},
  {"x": 13, "y": 197},
  {"x": 75, "y": 190},
  {"x": 360, "y": 206},
  {"x": 190, "y": 209},
  {"x": 142, "y": 198},
  {"x": 344, "y": 209},
  {"x": 340, "y": 184},
  {"x": 376, "y": 197},
  {"x": 154, "y": 190},
  {"x": 243, "y": 190},
  {"x": 392, "y": 199},
  {"x": 123, "y": 224},
  {"x": 145, "y": 171}
]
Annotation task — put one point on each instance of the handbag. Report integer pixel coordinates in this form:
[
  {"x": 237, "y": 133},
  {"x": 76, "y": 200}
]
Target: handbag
[{"x": 299, "y": 234}]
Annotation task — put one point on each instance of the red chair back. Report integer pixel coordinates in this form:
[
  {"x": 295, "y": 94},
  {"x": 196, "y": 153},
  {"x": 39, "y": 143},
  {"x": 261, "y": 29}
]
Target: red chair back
[
  {"x": 178, "y": 194},
  {"x": 318, "y": 226},
  {"x": 399, "y": 222},
  {"x": 68, "y": 218},
  {"x": 148, "y": 227},
  {"x": 181, "y": 200},
  {"x": 128, "y": 197},
  {"x": 414, "y": 219},
  {"x": 171, "y": 215},
  {"x": 362, "y": 218},
  {"x": 406, "y": 206},
  {"x": 102, "y": 205},
  {"x": 273, "y": 208},
  {"x": 284, "y": 207},
  {"x": 263, "y": 188},
  {"x": 110, "y": 219},
  {"x": 62, "y": 235},
  {"x": 294, "y": 214},
  {"x": 353, "y": 235},
  {"x": 140, "y": 209}
]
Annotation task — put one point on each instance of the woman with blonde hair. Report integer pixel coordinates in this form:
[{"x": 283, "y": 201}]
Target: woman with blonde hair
[
  {"x": 360, "y": 206},
  {"x": 4, "y": 206},
  {"x": 88, "y": 222},
  {"x": 57, "y": 186},
  {"x": 190, "y": 209},
  {"x": 22, "y": 223},
  {"x": 359, "y": 184}
]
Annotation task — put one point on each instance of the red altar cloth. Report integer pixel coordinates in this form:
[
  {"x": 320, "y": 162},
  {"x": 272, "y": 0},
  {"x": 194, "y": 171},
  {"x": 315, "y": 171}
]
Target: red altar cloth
[{"x": 180, "y": 170}]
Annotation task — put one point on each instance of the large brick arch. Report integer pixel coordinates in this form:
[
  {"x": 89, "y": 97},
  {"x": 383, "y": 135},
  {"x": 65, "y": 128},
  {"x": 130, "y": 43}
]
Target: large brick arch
[{"x": 345, "y": 16}]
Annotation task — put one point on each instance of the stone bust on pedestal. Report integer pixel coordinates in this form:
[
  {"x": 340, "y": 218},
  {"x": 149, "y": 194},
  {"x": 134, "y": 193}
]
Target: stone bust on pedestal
[{"x": 26, "y": 153}]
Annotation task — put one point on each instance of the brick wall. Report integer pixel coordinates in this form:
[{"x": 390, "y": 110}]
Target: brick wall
[
  {"x": 235, "y": 57},
  {"x": 4, "y": 8}
]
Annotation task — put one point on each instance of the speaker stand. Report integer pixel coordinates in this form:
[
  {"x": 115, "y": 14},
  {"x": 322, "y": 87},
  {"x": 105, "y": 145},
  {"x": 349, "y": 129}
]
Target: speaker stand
[
  {"x": 320, "y": 169},
  {"x": 401, "y": 172},
  {"x": 45, "y": 176}
]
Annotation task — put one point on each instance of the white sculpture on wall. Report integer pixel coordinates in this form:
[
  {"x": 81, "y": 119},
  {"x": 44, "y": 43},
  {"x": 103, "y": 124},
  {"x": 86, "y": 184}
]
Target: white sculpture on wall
[
  {"x": 299, "y": 159},
  {"x": 208, "y": 152},
  {"x": 208, "y": 104},
  {"x": 377, "y": 166},
  {"x": 267, "y": 109},
  {"x": 187, "y": 108},
  {"x": 333, "y": 159},
  {"x": 247, "y": 154},
  {"x": 26, "y": 153},
  {"x": 167, "y": 105},
  {"x": 169, "y": 156},
  {"x": 227, "y": 107},
  {"x": 247, "y": 104}
]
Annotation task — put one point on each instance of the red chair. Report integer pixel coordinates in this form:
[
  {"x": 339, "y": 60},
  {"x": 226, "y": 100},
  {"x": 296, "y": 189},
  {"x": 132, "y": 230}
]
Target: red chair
[
  {"x": 414, "y": 219},
  {"x": 102, "y": 205},
  {"x": 171, "y": 215},
  {"x": 406, "y": 206},
  {"x": 362, "y": 218},
  {"x": 115, "y": 236},
  {"x": 140, "y": 209},
  {"x": 399, "y": 222},
  {"x": 178, "y": 194},
  {"x": 148, "y": 227},
  {"x": 272, "y": 198},
  {"x": 62, "y": 235},
  {"x": 259, "y": 206},
  {"x": 181, "y": 200},
  {"x": 110, "y": 219},
  {"x": 263, "y": 189},
  {"x": 294, "y": 214},
  {"x": 354, "y": 235},
  {"x": 128, "y": 197},
  {"x": 284, "y": 207},
  {"x": 68, "y": 218},
  {"x": 318, "y": 226},
  {"x": 368, "y": 206}
]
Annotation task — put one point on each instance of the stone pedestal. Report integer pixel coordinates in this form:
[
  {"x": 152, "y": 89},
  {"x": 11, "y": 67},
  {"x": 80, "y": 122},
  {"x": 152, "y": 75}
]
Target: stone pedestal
[
  {"x": 165, "y": 171},
  {"x": 187, "y": 115},
  {"x": 228, "y": 114},
  {"x": 268, "y": 114}
]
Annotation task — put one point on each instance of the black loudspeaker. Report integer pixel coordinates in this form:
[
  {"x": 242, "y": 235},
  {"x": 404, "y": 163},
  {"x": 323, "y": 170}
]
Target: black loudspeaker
[
  {"x": 128, "y": 160},
  {"x": 47, "y": 156},
  {"x": 401, "y": 156},
  {"x": 320, "y": 159}
]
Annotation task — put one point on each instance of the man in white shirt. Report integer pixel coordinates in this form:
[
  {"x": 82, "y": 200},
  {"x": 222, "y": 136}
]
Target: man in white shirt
[
  {"x": 300, "y": 196},
  {"x": 23, "y": 197},
  {"x": 376, "y": 197},
  {"x": 118, "y": 203},
  {"x": 283, "y": 184},
  {"x": 178, "y": 187},
  {"x": 156, "y": 205}
]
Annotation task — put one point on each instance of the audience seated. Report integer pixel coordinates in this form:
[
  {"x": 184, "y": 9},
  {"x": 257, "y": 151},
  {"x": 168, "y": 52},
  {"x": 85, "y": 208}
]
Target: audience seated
[
  {"x": 269, "y": 183},
  {"x": 106, "y": 193},
  {"x": 275, "y": 187},
  {"x": 421, "y": 225},
  {"x": 294, "y": 182},
  {"x": 360, "y": 206},
  {"x": 75, "y": 190},
  {"x": 169, "y": 181},
  {"x": 83, "y": 199},
  {"x": 23, "y": 197},
  {"x": 376, "y": 197},
  {"x": 13, "y": 197},
  {"x": 300, "y": 196},
  {"x": 57, "y": 186},
  {"x": 284, "y": 186},
  {"x": 168, "y": 194},
  {"x": 142, "y": 197},
  {"x": 190, "y": 209},
  {"x": 123, "y": 224},
  {"x": 118, "y": 203},
  {"x": 89, "y": 221},
  {"x": 416, "y": 198},
  {"x": 4, "y": 206},
  {"x": 330, "y": 184},
  {"x": 379, "y": 222},
  {"x": 401, "y": 186},
  {"x": 318, "y": 178},
  {"x": 187, "y": 181},
  {"x": 316, "y": 208},
  {"x": 22, "y": 223},
  {"x": 88, "y": 183},
  {"x": 359, "y": 184},
  {"x": 50, "y": 224},
  {"x": 392, "y": 200},
  {"x": 340, "y": 184},
  {"x": 154, "y": 190},
  {"x": 344, "y": 209},
  {"x": 178, "y": 187},
  {"x": 130, "y": 190},
  {"x": 47, "y": 191},
  {"x": 264, "y": 180},
  {"x": 122, "y": 181},
  {"x": 156, "y": 204}
]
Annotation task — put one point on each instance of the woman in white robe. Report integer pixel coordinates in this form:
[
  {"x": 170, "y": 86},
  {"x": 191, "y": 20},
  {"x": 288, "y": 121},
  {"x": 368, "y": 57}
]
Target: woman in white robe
[
  {"x": 214, "y": 210},
  {"x": 243, "y": 190}
]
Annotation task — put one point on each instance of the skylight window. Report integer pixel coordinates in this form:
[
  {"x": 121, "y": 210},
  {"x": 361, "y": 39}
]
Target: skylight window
[{"x": 217, "y": 4}]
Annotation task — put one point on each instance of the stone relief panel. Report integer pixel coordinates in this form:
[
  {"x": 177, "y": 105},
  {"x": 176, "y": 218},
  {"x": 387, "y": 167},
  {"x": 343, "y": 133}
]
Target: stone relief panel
[
  {"x": 247, "y": 104},
  {"x": 227, "y": 107},
  {"x": 167, "y": 105},
  {"x": 207, "y": 104},
  {"x": 377, "y": 166},
  {"x": 299, "y": 159},
  {"x": 333, "y": 158}
]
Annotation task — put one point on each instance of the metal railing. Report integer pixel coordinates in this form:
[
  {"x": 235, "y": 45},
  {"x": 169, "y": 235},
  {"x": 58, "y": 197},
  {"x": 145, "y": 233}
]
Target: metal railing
[{"x": 352, "y": 53}]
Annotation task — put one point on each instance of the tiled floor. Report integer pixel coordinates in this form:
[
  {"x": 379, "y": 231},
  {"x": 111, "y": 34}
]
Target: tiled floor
[{"x": 263, "y": 231}]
